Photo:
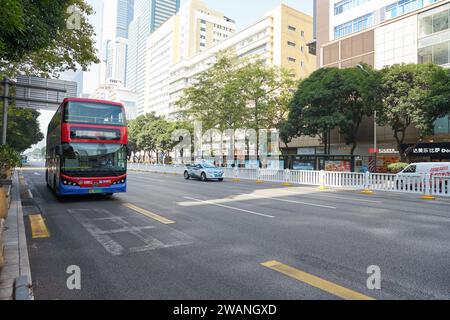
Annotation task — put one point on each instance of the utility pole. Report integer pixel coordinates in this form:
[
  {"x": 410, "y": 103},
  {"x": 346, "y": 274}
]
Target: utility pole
[
  {"x": 375, "y": 147},
  {"x": 5, "y": 83}
]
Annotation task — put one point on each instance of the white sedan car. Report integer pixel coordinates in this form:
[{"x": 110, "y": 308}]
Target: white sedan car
[{"x": 204, "y": 172}]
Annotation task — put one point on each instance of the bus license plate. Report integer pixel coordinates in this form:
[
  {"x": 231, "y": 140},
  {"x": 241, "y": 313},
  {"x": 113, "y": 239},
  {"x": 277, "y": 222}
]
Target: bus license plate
[{"x": 95, "y": 191}]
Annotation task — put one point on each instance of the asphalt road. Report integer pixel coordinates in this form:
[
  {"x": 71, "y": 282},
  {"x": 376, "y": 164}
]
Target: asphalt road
[{"x": 201, "y": 240}]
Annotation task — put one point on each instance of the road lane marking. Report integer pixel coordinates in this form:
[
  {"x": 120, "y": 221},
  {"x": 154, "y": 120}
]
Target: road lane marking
[
  {"x": 334, "y": 197},
  {"x": 38, "y": 227},
  {"x": 228, "y": 207},
  {"x": 149, "y": 214},
  {"x": 291, "y": 201},
  {"x": 315, "y": 281}
]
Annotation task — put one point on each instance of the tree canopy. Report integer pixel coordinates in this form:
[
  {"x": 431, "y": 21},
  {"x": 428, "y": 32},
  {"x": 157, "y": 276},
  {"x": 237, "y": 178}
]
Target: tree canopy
[
  {"x": 23, "y": 128},
  {"x": 332, "y": 98},
  {"x": 414, "y": 95},
  {"x": 42, "y": 38},
  {"x": 151, "y": 134},
  {"x": 37, "y": 38}
]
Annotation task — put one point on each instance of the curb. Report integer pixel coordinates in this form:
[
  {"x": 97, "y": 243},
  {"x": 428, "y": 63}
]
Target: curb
[
  {"x": 18, "y": 278},
  {"x": 22, "y": 289}
]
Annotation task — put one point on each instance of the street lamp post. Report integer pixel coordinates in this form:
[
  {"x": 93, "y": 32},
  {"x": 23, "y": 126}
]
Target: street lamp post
[
  {"x": 5, "y": 83},
  {"x": 375, "y": 147}
]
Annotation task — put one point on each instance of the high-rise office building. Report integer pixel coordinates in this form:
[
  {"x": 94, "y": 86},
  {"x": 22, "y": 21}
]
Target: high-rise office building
[
  {"x": 149, "y": 15},
  {"x": 115, "y": 49},
  {"x": 125, "y": 15}
]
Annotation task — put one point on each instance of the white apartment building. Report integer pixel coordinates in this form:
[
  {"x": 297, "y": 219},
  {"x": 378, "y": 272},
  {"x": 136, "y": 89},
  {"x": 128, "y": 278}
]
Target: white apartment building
[
  {"x": 149, "y": 15},
  {"x": 192, "y": 30},
  {"x": 280, "y": 38}
]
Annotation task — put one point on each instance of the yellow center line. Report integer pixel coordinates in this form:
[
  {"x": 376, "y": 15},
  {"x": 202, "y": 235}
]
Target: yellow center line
[
  {"x": 317, "y": 282},
  {"x": 38, "y": 227},
  {"x": 149, "y": 214}
]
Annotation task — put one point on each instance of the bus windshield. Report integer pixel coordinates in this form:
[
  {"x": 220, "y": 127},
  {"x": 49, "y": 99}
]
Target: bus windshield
[
  {"x": 93, "y": 159},
  {"x": 94, "y": 113}
]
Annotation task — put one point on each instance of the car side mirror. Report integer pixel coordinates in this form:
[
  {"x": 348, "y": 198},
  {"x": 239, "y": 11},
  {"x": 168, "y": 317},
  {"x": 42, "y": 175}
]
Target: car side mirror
[{"x": 128, "y": 151}]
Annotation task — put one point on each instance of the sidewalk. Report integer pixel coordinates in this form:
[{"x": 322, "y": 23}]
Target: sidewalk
[{"x": 15, "y": 277}]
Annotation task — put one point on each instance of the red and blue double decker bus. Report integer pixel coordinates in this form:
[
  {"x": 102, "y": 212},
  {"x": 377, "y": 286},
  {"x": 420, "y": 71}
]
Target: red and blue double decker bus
[{"x": 87, "y": 148}]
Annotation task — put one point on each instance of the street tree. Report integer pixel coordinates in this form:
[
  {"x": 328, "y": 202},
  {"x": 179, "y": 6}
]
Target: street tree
[
  {"x": 359, "y": 97},
  {"x": 333, "y": 98},
  {"x": 23, "y": 128},
  {"x": 313, "y": 111},
  {"x": 414, "y": 95},
  {"x": 214, "y": 97},
  {"x": 44, "y": 38}
]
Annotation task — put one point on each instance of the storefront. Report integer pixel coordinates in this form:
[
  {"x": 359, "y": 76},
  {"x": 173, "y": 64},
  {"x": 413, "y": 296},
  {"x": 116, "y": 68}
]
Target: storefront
[
  {"x": 340, "y": 163},
  {"x": 428, "y": 152}
]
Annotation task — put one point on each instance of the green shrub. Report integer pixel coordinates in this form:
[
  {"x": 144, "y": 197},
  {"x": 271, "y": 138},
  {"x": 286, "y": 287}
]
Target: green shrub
[
  {"x": 397, "y": 167},
  {"x": 9, "y": 158}
]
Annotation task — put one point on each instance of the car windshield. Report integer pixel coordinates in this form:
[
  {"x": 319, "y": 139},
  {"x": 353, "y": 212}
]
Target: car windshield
[
  {"x": 208, "y": 166},
  {"x": 93, "y": 159},
  {"x": 94, "y": 113}
]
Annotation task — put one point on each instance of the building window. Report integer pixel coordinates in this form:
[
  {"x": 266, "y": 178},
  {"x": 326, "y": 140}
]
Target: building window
[
  {"x": 302, "y": 34},
  {"x": 345, "y": 5},
  {"x": 292, "y": 44},
  {"x": 405, "y": 6},
  {"x": 292, "y": 59},
  {"x": 438, "y": 54},
  {"x": 302, "y": 64},
  {"x": 202, "y": 44},
  {"x": 440, "y": 21},
  {"x": 434, "y": 23},
  {"x": 291, "y": 28},
  {"x": 302, "y": 48},
  {"x": 356, "y": 25}
]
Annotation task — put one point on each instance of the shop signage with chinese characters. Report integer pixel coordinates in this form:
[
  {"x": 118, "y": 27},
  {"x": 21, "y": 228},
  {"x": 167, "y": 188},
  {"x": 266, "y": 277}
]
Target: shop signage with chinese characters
[
  {"x": 431, "y": 151},
  {"x": 435, "y": 150},
  {"x": 384, "y": 151}
]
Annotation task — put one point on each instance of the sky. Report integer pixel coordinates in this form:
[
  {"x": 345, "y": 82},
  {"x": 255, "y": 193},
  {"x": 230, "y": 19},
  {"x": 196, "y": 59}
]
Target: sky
[{"x": 244, "y": 12}]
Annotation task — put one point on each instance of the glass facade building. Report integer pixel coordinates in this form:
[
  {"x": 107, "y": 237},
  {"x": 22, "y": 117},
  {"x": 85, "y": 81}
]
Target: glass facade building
[
  {"x": 434, "y": 46},
  {"x": 125, "y": 14}
]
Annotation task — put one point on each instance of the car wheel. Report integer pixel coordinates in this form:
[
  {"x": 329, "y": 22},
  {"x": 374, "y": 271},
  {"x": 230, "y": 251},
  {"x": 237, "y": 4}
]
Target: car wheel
[
  {"x": 221, "y": 179},
  {"x": 186, "y": 175},
  {"x": 203, "y": 177}
]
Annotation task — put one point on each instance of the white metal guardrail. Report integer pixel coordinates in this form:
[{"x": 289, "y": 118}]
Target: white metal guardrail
[{"x": 415, "y": 184}]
